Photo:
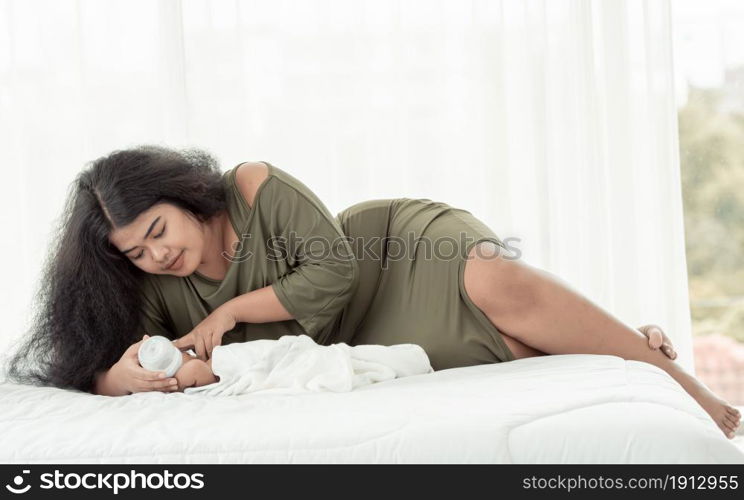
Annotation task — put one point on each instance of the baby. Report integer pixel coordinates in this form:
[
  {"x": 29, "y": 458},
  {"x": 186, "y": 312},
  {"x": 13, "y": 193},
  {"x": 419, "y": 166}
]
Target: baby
[
  {"x": 293, "y": 363},
  {"x": 194, "y": 372},
  {"x": 159, "y": 354}
]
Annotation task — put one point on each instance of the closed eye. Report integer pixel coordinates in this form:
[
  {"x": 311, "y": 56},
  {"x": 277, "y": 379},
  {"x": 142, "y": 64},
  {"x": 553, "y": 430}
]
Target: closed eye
[{"x": 156, "y": 236}]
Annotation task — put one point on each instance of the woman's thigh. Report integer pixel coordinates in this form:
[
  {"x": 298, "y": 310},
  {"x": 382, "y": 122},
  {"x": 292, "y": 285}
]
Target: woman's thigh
[
  {"x": 520, "y": 349},
  {"x": 489, "y": 280}
]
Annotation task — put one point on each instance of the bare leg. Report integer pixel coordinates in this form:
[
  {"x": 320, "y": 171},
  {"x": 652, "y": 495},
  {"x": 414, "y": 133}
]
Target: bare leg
[{"x": 541, "y": 311}]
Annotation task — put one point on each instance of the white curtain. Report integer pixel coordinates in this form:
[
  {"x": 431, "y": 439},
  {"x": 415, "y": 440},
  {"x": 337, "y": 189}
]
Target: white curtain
[{"x": 552, "y": 121}]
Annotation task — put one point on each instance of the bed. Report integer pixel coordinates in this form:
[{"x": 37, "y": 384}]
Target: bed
[{"x": 574, "y": 408}]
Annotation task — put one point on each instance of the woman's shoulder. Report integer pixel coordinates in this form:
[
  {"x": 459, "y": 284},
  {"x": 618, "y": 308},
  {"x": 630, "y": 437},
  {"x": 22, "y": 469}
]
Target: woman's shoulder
[
  {"x": 250, "y": 179},
  {"x": 244, "y": 184},
  {"x": 249, "y": 176}
]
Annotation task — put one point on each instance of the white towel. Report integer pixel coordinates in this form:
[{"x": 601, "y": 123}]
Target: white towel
[{"x": 295, "y": 363}]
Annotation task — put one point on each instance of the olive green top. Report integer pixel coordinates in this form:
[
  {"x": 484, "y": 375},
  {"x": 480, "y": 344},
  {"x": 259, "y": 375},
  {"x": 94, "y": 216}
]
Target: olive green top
[
  {"x": 288, "y": 240},
  {"x": 343, "y": 279}
]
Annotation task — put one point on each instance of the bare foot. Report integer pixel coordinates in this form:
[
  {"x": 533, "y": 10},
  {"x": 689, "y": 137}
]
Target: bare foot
[
  {"x": 723, "y": 414},
  {"x": 726, "y": 417}
]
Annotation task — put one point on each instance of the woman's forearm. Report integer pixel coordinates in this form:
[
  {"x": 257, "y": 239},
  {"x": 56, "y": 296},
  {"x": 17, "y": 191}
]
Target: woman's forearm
[
  {"x": 257, "y": 306},
  {"x": 104, "y": 385}
]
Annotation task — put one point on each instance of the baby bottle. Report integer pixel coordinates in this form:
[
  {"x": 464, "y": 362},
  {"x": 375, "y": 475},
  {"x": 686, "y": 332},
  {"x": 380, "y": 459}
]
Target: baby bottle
[{"x": 157, "y": 353}]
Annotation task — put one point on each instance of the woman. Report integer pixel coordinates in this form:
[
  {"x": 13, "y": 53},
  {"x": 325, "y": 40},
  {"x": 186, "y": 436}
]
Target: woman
[{"x": 160, "y": 242}]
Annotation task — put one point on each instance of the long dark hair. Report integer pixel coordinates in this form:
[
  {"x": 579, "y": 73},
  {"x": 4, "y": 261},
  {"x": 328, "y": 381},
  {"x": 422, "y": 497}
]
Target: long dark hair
[{"x": 87, "y": 307}]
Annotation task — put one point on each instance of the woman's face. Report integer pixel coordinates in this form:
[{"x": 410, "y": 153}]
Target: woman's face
[{"x": 161, "y": 236}]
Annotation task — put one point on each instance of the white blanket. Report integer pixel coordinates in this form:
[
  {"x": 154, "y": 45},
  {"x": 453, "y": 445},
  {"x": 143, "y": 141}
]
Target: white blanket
[
  {"x": 571, "y": 408},
  {"x": 295, "y": 363}
]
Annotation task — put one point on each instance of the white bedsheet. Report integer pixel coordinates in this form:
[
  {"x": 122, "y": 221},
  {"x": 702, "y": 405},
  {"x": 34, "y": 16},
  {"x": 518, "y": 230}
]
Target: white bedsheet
[{"x": 573, "y": 408}]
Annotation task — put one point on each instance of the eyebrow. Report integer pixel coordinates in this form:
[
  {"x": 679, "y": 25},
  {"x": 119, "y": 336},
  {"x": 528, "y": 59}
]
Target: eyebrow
[{"x": 146, "y": 234}]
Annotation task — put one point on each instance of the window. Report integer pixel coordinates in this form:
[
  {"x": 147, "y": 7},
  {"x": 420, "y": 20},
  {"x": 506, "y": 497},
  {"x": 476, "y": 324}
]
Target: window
[{"x": 709, "y": 81}]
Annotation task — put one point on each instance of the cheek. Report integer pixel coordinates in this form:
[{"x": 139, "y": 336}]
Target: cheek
[
  {"x": 146, "y": 265},
  {"x": 184, "y": 238},
  {"x": 192, "y": 241}
]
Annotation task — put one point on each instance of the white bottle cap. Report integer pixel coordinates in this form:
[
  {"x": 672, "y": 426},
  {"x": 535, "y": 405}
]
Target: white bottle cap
[{"x": 159, "y": 354}]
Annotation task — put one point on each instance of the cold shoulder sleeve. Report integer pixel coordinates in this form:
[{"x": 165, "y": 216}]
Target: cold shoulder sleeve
[{"x": 324, "y": 273}]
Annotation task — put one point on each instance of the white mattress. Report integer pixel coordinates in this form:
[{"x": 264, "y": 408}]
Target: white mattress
[{"x": 573, "y": 408}]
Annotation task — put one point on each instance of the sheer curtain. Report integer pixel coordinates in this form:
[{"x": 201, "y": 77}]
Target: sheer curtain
[{"x": 552, "y": 121}]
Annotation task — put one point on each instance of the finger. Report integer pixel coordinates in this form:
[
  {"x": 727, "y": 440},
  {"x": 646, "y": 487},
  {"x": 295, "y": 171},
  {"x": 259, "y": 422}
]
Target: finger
[
  {"x": 667, "y": 340},
  {"x": 165, "y": 385},
  {"x": 669, "y": 351},
  {"x": 157, "y": 385},
  {"x": 644, "y": 330},
  {"x": 208, "y": 345},
  {"x": 200, "y": 349},
  {"x": 186, "y": 342},
  {"x": 149, "y": 375},
  {"x": 144, "y": 337},
  {"x": 672, "y": 352},
  {"x": 655, "y": 338},
  {"x": 132, "y": 349},
  {"x": 655, "y": 335},
  {"x": 730, "y": 425}
]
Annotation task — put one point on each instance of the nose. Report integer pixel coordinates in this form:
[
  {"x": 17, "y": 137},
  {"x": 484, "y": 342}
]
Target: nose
[{"x": 160, "y": 256}]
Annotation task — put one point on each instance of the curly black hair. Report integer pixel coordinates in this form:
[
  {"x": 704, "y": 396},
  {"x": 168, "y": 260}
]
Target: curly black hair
[{"x": 87, "y": 306}]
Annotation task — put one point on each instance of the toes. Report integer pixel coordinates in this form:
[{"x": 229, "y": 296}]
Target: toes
[
  {"x": 732, "y": 422},
  {"x": 727, "y": 430},
  {"x": 733, "y": 413}
]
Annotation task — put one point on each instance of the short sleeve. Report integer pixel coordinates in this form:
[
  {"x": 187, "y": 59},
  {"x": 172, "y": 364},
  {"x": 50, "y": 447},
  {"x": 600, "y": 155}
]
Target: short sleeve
[
  {"x": 324, "y": 272},
  {"x": 153, "y": 318}
]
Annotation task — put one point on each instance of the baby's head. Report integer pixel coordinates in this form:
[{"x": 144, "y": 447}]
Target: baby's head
[
  {"x": 194, "y": 372},
  {"x": 159, "y": 354}
]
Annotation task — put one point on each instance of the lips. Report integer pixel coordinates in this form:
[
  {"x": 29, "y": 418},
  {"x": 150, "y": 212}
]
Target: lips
[{"x": 174, "y": 261}]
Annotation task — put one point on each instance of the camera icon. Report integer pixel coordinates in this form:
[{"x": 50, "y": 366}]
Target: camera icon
[{"x": 18, "y": 481}]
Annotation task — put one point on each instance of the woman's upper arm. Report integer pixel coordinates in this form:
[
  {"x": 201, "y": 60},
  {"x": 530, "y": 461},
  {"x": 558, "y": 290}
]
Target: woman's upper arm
[{"x": 323, "y": 272}]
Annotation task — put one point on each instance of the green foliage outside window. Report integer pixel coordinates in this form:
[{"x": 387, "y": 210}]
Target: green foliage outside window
[{"x": 711, "y": 136}]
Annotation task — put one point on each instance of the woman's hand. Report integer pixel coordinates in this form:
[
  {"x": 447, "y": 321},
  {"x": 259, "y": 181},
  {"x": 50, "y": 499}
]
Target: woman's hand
[
  {"x": 207, "y": 334},
  {"x": 656, "y": 338},
  {"x": 131, "y": 377}
]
